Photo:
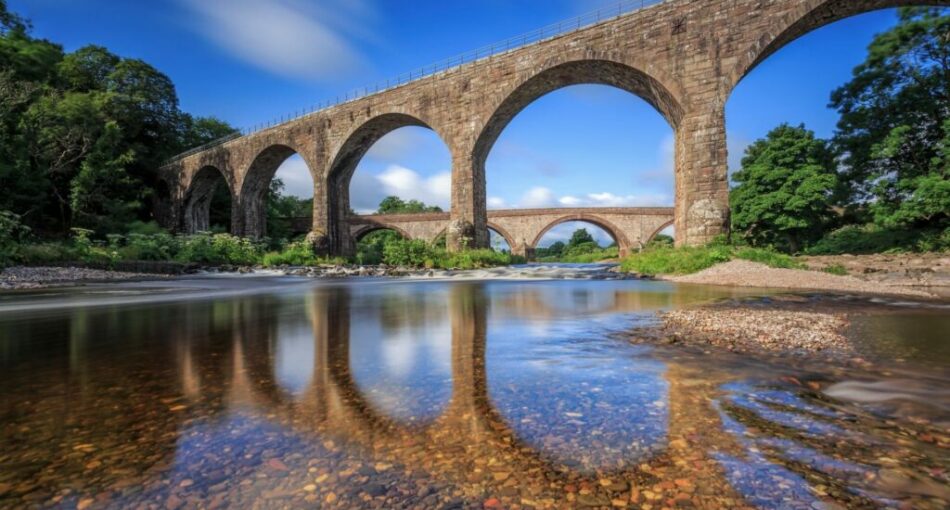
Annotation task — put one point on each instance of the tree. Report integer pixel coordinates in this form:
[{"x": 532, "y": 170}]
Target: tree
[
  {"x": 396, "y": 205},
  {"x": 894, "y": 122},
  {"x": 579, "y": 237},
  {"x": 785, "y": 189},
  {"x": 103, "y": 196}
]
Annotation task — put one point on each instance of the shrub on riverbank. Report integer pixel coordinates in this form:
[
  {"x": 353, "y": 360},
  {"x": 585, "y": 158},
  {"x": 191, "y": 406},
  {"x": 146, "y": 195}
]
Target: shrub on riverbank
[
  {"x": 865, "y": 239},
  {"x": 692, "y": 259},
  {"x": 418, "y": 253},
  {"x": 597, "y": 254},
  {"x": 225, "y": 249}
]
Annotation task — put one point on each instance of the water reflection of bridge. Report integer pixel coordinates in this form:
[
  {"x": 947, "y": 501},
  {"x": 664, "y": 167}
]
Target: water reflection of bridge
[{"x": 455, "y": 446}]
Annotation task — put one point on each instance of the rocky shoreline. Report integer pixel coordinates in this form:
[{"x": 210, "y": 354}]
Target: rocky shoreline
[{"x": 26, "y": 278}]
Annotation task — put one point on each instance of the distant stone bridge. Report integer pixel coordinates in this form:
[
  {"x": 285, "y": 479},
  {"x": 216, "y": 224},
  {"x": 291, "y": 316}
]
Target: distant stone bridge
[
  {"x": 684, "y": 57},
  {"x": 631, "y": 227}
]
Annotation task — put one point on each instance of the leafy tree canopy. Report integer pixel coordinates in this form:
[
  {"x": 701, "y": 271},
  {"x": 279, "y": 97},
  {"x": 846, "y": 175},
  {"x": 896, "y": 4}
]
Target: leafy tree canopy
[
  {"x": 785, "y": 189},
  {"x": 579, "y": 237},
  {"x": 894, "y": 127},
  {"x": 82, "y": 133},
  {"x": 396, "y": 205}
]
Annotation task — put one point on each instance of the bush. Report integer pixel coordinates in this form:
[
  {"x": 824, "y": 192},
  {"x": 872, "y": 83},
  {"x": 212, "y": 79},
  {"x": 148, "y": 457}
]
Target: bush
[
  {"x": 862, "y": 239},
  {"x": 768, "y": 257},
  {"x": 476, "y": 259},
  {"x": 299, "y": 253},
  {"x": 219, "y": 249},
  {"x": 12, "y": 232},
  {"x": 667, "y": 260},
  {"x": 411, "y": 252},
  {"x": 837, "y": 269}
]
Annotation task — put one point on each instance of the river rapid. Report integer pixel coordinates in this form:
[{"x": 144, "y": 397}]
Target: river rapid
[{"x": 507, "y": 388}]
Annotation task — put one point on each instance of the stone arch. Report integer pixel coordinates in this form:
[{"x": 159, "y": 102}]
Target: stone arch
[
  {"x": 657, "y": 232},
  {"x": 664, "y": 98},
  {"x": 369, "y": 229},
  {"x": 802, "y": 18},
  {"x": 344, "y": 163},
  {"x": 252, "y": 219},
  {"x": 623, "y": 244},
  {"x": 197, "y": 200},
  {"x": 503, "y": 233}
]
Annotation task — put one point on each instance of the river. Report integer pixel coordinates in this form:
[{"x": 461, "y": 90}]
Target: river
[{"x": 490, "y": 391}]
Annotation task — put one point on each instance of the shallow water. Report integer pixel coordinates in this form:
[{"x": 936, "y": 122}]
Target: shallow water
[{"x": 274, "y": 391}]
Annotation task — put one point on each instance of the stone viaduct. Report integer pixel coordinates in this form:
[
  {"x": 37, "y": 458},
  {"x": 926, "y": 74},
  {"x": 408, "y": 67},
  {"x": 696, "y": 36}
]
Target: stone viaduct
[
  {"x": 684, "y": 57},
  {"x": 631, "y": 227}
]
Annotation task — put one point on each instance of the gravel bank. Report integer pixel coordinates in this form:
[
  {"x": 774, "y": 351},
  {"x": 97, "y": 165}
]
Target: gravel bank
[
  {"x": 16, "y": 278},
  {"x": 754, "y": 330},
  {"x": 743, "y": 273}
]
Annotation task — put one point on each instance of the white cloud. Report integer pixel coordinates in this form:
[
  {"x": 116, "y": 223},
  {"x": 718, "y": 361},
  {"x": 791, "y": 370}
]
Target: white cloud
[
  {"x": 286, "y": 37},
  {"x": 496, "y": 203},
  {"x": 296, "y": 177},
  {"x": 408, "y": 184},
  {"x": 543, "y": 197},
  {"x": 538, "y": 197}
]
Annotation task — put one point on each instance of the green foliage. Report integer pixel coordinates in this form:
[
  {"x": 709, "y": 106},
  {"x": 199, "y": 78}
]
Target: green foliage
[
  {"x": 581, "y": 237},
  {"x": 598, "y": 254},
  {"x": 12, "y": 233},
  {"x": 785, "y": 189},
  {"x": 369, "y": 249},
  {"x": 294, "y": 254},
  {"x": 396, "y": 205},
  {"x": 476, "y": 259},
  {"x": 281, "y": 209},
  {"x": 836, "y": 269},
  {"x": 412, "y": 253},
  {"x": 895, "y": 123},
  {"x": 690, "y": 259},
  {"x": 552, "y": 252},
  {"x": 861, "y": 239},
  {"x": 82, "y": 133},
  {"x": 666, "y": 260},
  {"x": 219, "y": 249},
  {"x": 768, "y": 257}
]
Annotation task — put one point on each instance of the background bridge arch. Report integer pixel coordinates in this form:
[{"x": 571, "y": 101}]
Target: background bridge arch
[{"x": 615, "y": 232}]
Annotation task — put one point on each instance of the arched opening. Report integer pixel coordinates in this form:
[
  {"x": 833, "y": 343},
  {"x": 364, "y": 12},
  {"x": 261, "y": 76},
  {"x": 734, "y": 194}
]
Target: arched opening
[
  {"x": 612, "y": 144},
  {"x": 579, "y": 241},
  {"x": 264, "y": 197},
  {"x": 663, "y": 237},
  {"x": 290, "y": 200},
  {"x": 811, "y": 60},
  {"x": 499, "y": 239},
  {"x": 208, "y": 202},
  {"x": 371, "y": 243},
  {"x": 394, "y": 163}
]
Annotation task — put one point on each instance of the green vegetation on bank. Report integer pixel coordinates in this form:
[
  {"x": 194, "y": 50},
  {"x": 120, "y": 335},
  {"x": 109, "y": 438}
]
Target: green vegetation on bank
[
  {"x": 665, "y": 259},
  {"x": 581, "y": 248}
]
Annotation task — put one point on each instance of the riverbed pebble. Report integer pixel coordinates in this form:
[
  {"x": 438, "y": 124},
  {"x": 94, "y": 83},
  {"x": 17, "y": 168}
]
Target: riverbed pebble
[{"x": 20, "y": 277}]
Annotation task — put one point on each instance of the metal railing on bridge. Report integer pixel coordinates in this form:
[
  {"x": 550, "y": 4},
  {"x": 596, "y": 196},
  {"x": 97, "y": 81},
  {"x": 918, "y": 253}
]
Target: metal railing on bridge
[{"x": 479, "y": 54}]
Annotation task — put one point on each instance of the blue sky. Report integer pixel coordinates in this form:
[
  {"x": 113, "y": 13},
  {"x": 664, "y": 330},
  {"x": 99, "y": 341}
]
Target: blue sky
[{"x": 582, "y": 145}]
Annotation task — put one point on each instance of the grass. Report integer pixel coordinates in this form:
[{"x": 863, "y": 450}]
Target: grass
[
  {"x": 611, "y": 252},
  {"x": 837, "y": 269},
  {"x": 692, "y": 259}
]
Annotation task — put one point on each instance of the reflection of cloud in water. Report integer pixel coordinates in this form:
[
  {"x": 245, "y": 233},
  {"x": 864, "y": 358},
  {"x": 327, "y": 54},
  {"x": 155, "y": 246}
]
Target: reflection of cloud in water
[
  {"x": 294, "y": 356},
  {"x": 401, "y": 351}
]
